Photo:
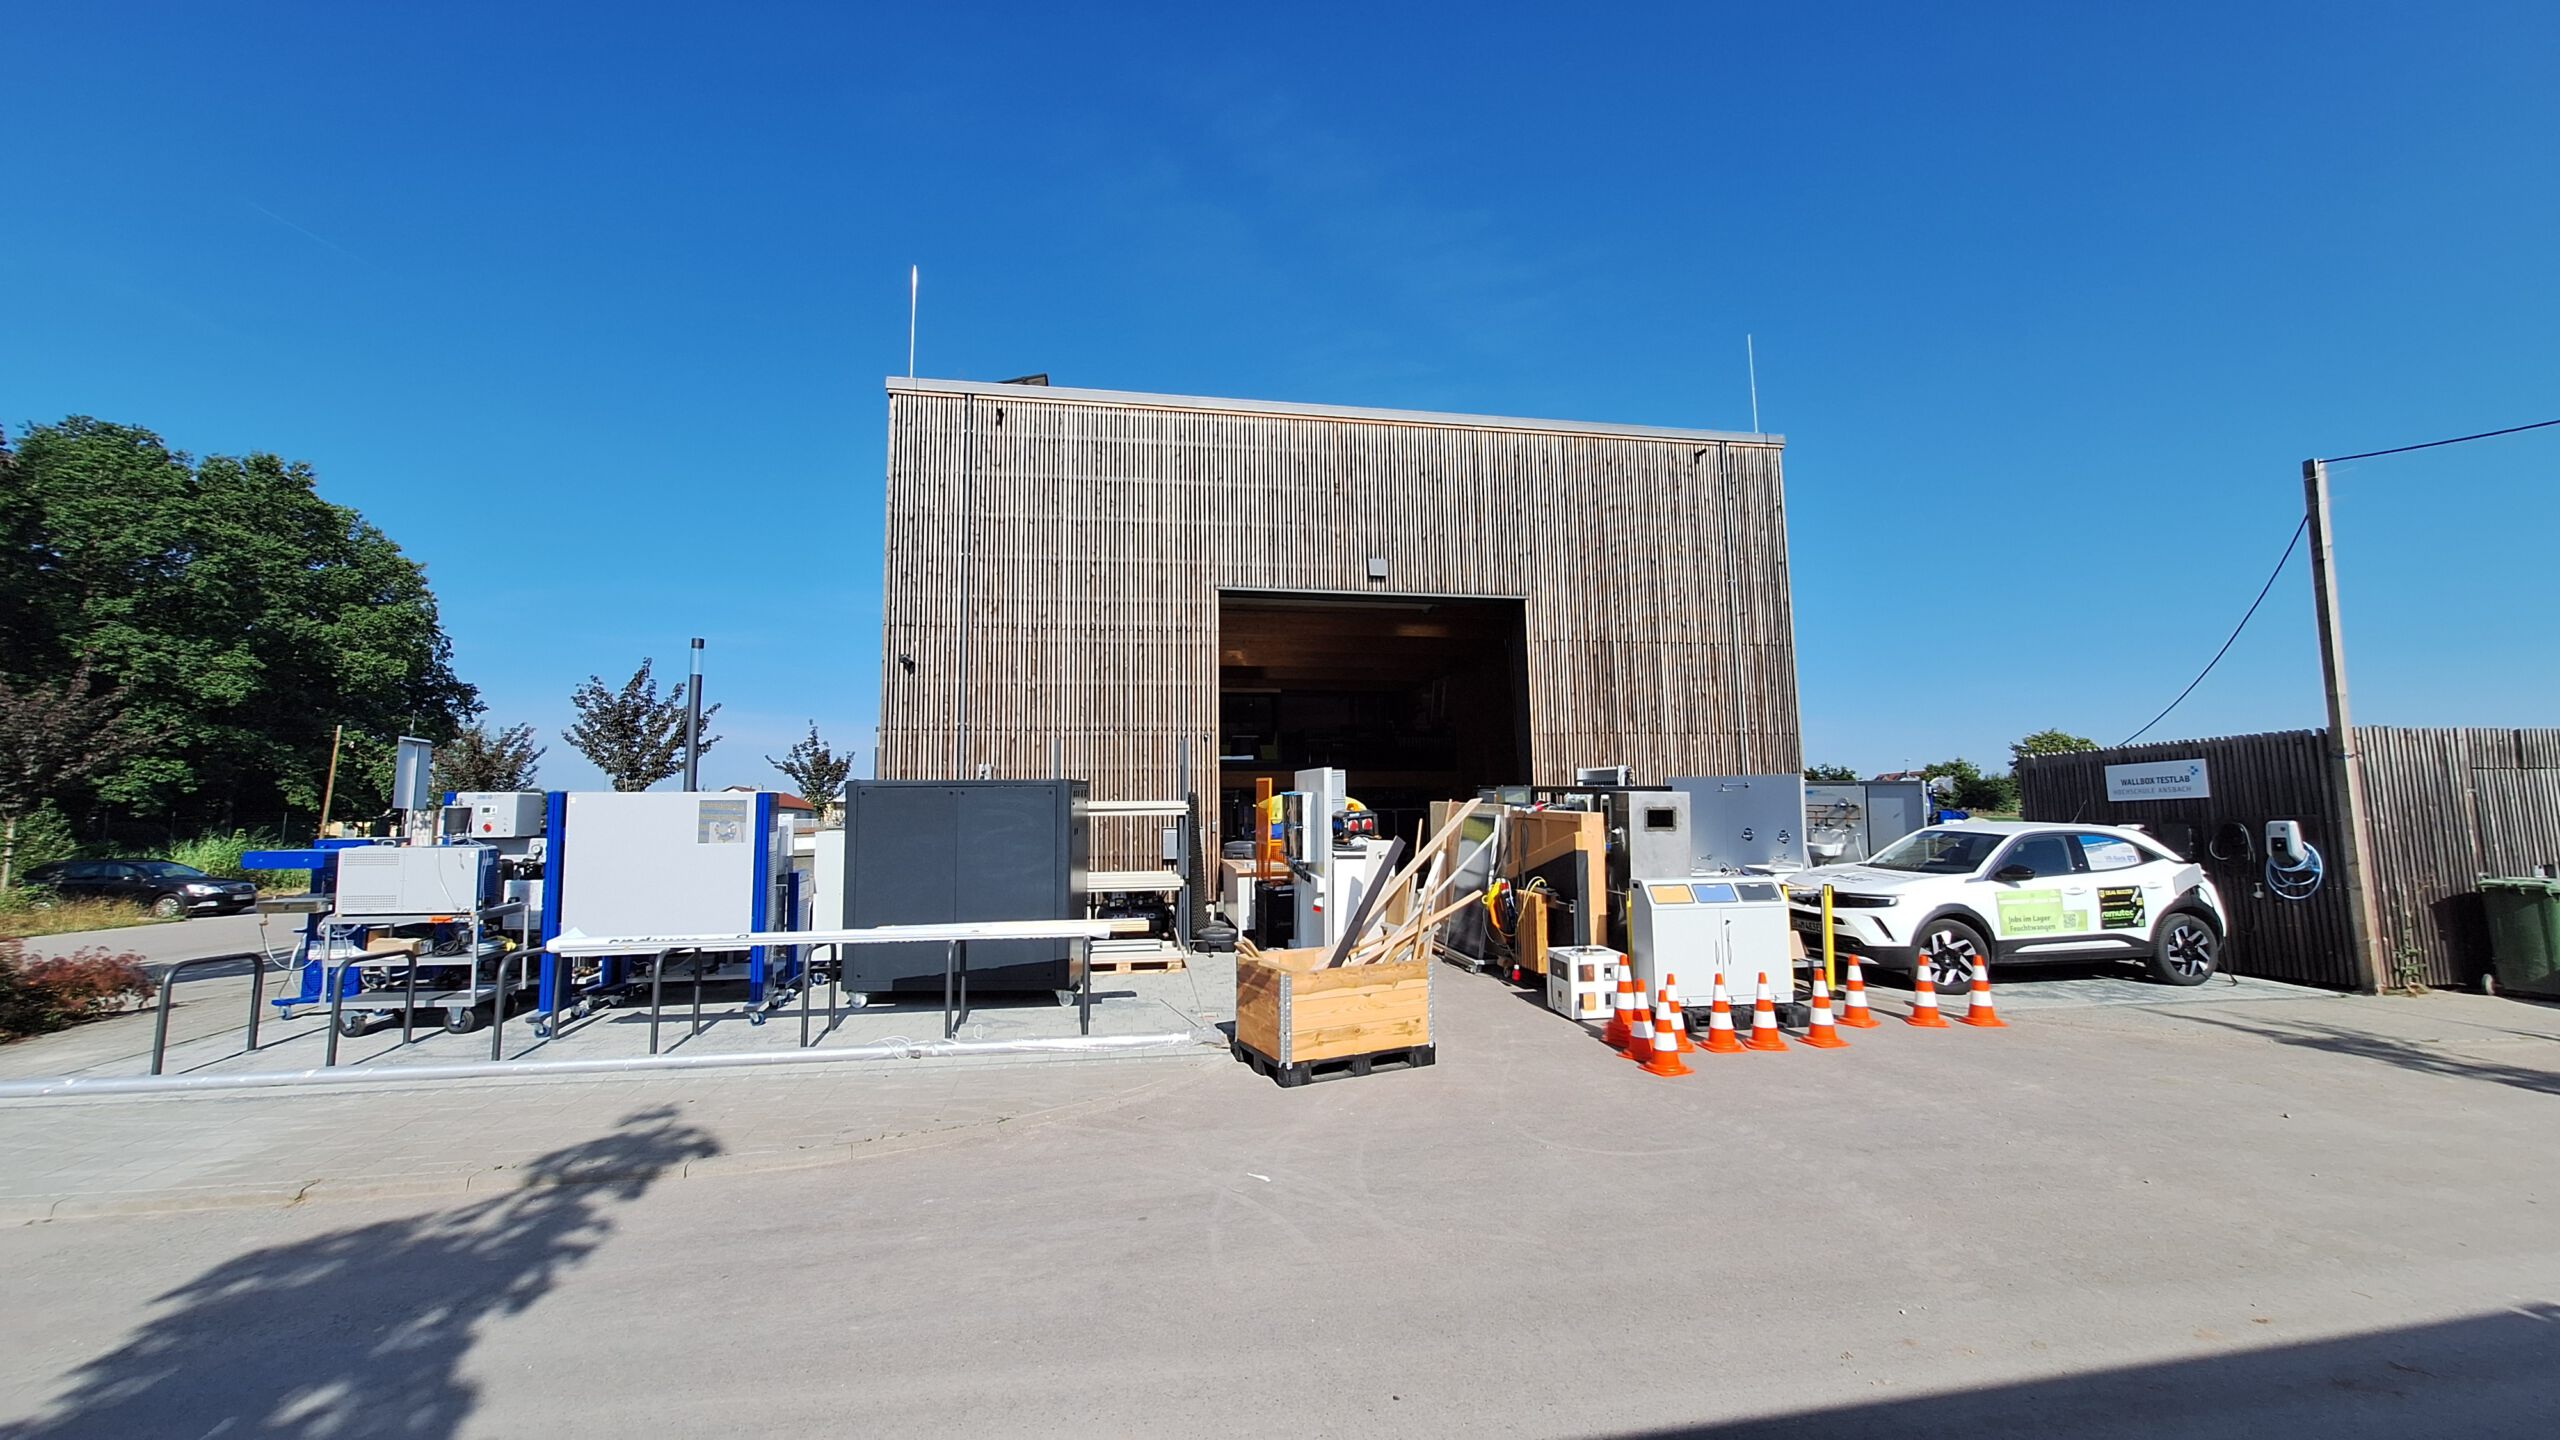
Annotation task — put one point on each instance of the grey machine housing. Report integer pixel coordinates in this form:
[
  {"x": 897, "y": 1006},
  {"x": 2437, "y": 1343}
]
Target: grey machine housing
[{"x": 924, "y": 852}]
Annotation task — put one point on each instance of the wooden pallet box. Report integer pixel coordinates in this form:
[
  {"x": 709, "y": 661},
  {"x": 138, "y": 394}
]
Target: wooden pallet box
[{"x": 1292, "y": 1010}]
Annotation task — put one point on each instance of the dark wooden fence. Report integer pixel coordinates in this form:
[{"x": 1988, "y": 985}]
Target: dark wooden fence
[{"x": 2446, "y": 807}]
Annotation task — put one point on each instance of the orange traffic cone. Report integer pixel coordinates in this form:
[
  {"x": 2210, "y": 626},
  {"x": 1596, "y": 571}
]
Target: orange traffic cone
[
  {"x": 1764, "y": 1020},
  {"x": 1639, "y": 1034},
  {"x": 1821, "y": 1036},
  {"x": 1924, "y": 995},
  {"x": 1664, "y": 1058},
  {"x": 1977, "y": 1006},
  {"x": 1679, "y": 1016},
  {"x": 1720, "y": 1037},
  {"x": 1853, "y": 1001},
  {"x": 1625, "y": 1005}
]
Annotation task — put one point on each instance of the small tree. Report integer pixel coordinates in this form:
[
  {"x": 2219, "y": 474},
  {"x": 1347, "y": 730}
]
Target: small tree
[
  {"x": 816, "y": 771},
  {"x": 1967, "y": 788},
  {"x": 53, "y": 738},
  {"x": 475, "y": 759},
  {"x": 634, "y": 735},
  {"x": 1832, "y": 775},
  {"x": 2049, "y": 742}
]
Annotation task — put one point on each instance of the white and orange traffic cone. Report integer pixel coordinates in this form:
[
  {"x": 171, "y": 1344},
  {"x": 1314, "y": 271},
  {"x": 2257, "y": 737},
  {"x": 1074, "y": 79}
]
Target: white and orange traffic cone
[
  {"x": 1977, "y": 1005},
  {"x": 1679, "y": 1016},
  {"x": 1664, "y": 1058},
  {"x": 1924, "y": 995},
  {"x": 1820, "y": 1035},
  {"x": 1853, "y": 1001},
  {"x": 1640, "y": 1034},
  {"x": 1764, "y": 1020},
  {"x": 1622, "y": 1007},
  {"x": 1720, "y": 1037}
]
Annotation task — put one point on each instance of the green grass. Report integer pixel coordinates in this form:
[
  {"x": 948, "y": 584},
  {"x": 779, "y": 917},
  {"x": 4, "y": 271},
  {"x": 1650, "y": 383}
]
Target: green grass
[
  {"x": 219, "y": 856},
  {"x": 21, "y": 917}
]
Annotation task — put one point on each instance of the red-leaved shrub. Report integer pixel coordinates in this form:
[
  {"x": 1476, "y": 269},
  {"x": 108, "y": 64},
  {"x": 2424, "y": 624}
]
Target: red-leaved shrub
[{"x": 37, "y": 996}]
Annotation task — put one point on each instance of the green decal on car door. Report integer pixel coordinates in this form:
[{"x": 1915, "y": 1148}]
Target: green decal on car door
[{"x": 2038, "y": 912}]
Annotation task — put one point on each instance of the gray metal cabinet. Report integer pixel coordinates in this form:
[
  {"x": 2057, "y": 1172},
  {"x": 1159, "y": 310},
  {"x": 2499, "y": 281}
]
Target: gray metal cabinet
[{"x": 935, "y": 851}]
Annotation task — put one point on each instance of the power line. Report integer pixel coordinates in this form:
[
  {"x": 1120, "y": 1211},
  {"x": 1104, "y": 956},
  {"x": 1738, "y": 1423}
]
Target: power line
[
  {"x": 2235, "y": 631},
  {"x": 2456, "y": 440}
]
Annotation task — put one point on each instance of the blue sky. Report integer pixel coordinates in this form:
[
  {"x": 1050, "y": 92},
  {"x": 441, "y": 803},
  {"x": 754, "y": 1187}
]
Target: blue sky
[{"x": 589, "y": 307}]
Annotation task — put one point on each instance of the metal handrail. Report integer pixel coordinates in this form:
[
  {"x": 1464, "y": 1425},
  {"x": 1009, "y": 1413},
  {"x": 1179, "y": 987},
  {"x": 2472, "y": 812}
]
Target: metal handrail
[
  {"x": 835, "y": 988},
  {"x": 657, "y": 985},
  {"x": 498, "y": 1001},
  {"x": 168, "y": 991}
]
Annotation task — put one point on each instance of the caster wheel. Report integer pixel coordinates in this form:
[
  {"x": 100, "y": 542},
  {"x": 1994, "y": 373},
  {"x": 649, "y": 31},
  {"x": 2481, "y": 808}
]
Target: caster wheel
[
  {"x": 755, "y": 1017},
  {"x": 857, "y": 1001},
  {"x": 352, "y": 1026},
  {"x": 463, "y": 1022}
]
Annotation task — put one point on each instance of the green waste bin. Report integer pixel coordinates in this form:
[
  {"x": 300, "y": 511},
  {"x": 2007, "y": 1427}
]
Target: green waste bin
[{"x": 2524, "y": 934}]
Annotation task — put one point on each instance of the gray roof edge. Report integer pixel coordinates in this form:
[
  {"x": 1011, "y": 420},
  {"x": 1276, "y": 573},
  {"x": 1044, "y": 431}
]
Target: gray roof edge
[{"x": 1138, "y": 399}]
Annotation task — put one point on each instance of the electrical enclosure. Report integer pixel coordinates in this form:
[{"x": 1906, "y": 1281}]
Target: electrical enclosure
[
  {"x": 921, "y": 852},
  {"x": 1744, "y": 822},
  {"x": 383, "y": 880}
]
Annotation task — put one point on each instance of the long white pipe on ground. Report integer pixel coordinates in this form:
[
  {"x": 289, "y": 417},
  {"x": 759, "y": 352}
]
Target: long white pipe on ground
[{"x": 68, "y": 1085}]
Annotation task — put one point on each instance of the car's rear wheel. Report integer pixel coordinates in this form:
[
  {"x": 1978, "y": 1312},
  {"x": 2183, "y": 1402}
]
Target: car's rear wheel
[
  {"x": 2188, "y": 952},
  {"x": 168, "y": 907},
  {"x": 1949, "y": 948}
]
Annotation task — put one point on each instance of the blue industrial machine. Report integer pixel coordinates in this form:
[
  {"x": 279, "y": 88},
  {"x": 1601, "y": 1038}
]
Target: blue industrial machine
[{"x": 674, "y": 863}]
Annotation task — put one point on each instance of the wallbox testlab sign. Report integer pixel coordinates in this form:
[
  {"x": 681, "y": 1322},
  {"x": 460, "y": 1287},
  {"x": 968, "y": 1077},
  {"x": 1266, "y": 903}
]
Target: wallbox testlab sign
[{"x": 2159, "y": 780}]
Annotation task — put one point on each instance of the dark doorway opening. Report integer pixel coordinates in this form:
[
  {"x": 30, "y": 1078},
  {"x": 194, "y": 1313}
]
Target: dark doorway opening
[{"x": 1415, "y": 699}]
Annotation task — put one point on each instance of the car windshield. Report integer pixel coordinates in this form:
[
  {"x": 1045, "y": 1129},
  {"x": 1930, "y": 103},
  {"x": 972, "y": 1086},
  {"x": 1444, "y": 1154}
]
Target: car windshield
[
  {"x": 168, "y": 870},
  {"x": 1938, "y": 852}
]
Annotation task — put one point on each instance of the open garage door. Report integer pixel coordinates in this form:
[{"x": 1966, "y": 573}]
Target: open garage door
[{"x": 1416, "y": 699}]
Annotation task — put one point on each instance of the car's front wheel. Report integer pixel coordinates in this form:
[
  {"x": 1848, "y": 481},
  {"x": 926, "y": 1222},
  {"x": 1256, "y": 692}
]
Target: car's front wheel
[
  {"x": 168, "y": 907},
  {"x": 1949, "y": 948},
  {"x": 2188, "y": 952}
]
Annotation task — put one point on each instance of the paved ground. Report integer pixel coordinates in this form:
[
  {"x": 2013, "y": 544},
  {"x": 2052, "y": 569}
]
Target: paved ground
[
  {"x": 2306, "y": 1215},
  {"x": 160, "y": 945}
]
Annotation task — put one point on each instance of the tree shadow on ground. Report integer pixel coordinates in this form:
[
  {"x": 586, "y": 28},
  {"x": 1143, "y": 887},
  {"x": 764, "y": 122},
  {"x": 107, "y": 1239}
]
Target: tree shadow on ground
[
  {"x": 2340, "y": 1041},
  {"x": 2492, "y": 1375},
  {"x": 364, "y": 1331}
]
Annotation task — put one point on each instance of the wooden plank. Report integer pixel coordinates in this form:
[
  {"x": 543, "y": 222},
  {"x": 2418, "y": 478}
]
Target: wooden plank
[{"x": 1361, "y": 1039}]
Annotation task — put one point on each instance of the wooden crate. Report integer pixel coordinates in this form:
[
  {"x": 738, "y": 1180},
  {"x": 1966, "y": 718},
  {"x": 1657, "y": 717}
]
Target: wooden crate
[{"x": 1297, "y": 1018}]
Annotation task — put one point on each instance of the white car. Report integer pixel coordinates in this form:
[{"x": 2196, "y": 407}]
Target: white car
[{"x": 2012, "y": 892}]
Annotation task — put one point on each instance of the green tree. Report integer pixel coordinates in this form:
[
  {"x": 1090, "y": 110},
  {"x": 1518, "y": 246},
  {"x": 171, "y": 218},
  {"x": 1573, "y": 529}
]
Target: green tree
[
  {"x": 53, "y": 738},
  {"x": 634, "y": 735},
  {"x": 817, "y": 771},
  {"x": 242, "y": 615},
  {"x": 2049, "y": 742},
  {"x": 1968, "y": 788},
  {"x": 1832, "y": 775},
  {"x": 478, "y": 759}
]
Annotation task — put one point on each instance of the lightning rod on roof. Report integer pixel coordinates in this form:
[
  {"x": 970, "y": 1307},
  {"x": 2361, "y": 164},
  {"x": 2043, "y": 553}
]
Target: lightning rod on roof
[
  {"x": 1750, "y": 358},
  {"x": 915, "y": 277}
]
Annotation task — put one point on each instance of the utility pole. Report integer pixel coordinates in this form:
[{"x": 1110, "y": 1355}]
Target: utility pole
[
  {"x": 693, "y": 721},
  {"x": 2347, "y": 761}
]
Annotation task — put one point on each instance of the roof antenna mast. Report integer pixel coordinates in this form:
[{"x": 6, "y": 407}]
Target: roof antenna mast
[
  {"x": 1750, "y": 358},
  {"x": 915, "y": 276}
]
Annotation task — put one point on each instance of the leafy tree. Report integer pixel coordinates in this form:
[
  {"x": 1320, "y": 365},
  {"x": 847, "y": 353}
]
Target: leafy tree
[
  {"x": 53, "y": 738},
  {"x": 242, "y": 615},
  {"x": 815, "y": 770},
  {"x": 1832, "y": 775},
  {"x": 1968, "y": 788},
  {"x": 477, "y": 759},
  {"x": 634, "y": 735},
  {"x": 2049, "y": 742}
]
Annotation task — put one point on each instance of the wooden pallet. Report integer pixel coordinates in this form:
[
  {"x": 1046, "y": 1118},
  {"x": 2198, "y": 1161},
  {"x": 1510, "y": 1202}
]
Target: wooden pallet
[
  {"x": 1161, "y": 963},
  {"x": 1411, "y": 1057}
]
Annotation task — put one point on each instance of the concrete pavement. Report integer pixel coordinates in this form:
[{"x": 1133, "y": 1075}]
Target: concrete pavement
[
  {"x": 202, "y": 937},
  {"x": 2315, "y": 1215}
]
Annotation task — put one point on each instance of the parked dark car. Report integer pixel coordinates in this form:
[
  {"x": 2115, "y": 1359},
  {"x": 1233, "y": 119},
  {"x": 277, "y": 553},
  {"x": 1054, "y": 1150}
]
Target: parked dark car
[{"x": 163, "y": 887}]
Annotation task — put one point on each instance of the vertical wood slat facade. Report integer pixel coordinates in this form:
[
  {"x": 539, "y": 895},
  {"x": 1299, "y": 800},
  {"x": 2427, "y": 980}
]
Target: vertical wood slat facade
[
  {"x": 2447, "y": 807},
  {"x": 1055, "y": 560}
]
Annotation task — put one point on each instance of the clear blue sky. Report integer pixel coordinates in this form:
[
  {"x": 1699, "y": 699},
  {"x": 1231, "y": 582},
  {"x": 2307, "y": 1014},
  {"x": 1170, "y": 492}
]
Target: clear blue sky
[{"x": 590, "y": 309}]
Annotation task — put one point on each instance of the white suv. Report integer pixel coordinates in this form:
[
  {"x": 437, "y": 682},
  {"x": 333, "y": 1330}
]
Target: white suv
[{"x": 2011, "y": 891}]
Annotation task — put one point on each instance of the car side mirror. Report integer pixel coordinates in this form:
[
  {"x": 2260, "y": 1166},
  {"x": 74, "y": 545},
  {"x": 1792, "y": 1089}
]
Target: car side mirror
[{"x": 2014, "y": 873}]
